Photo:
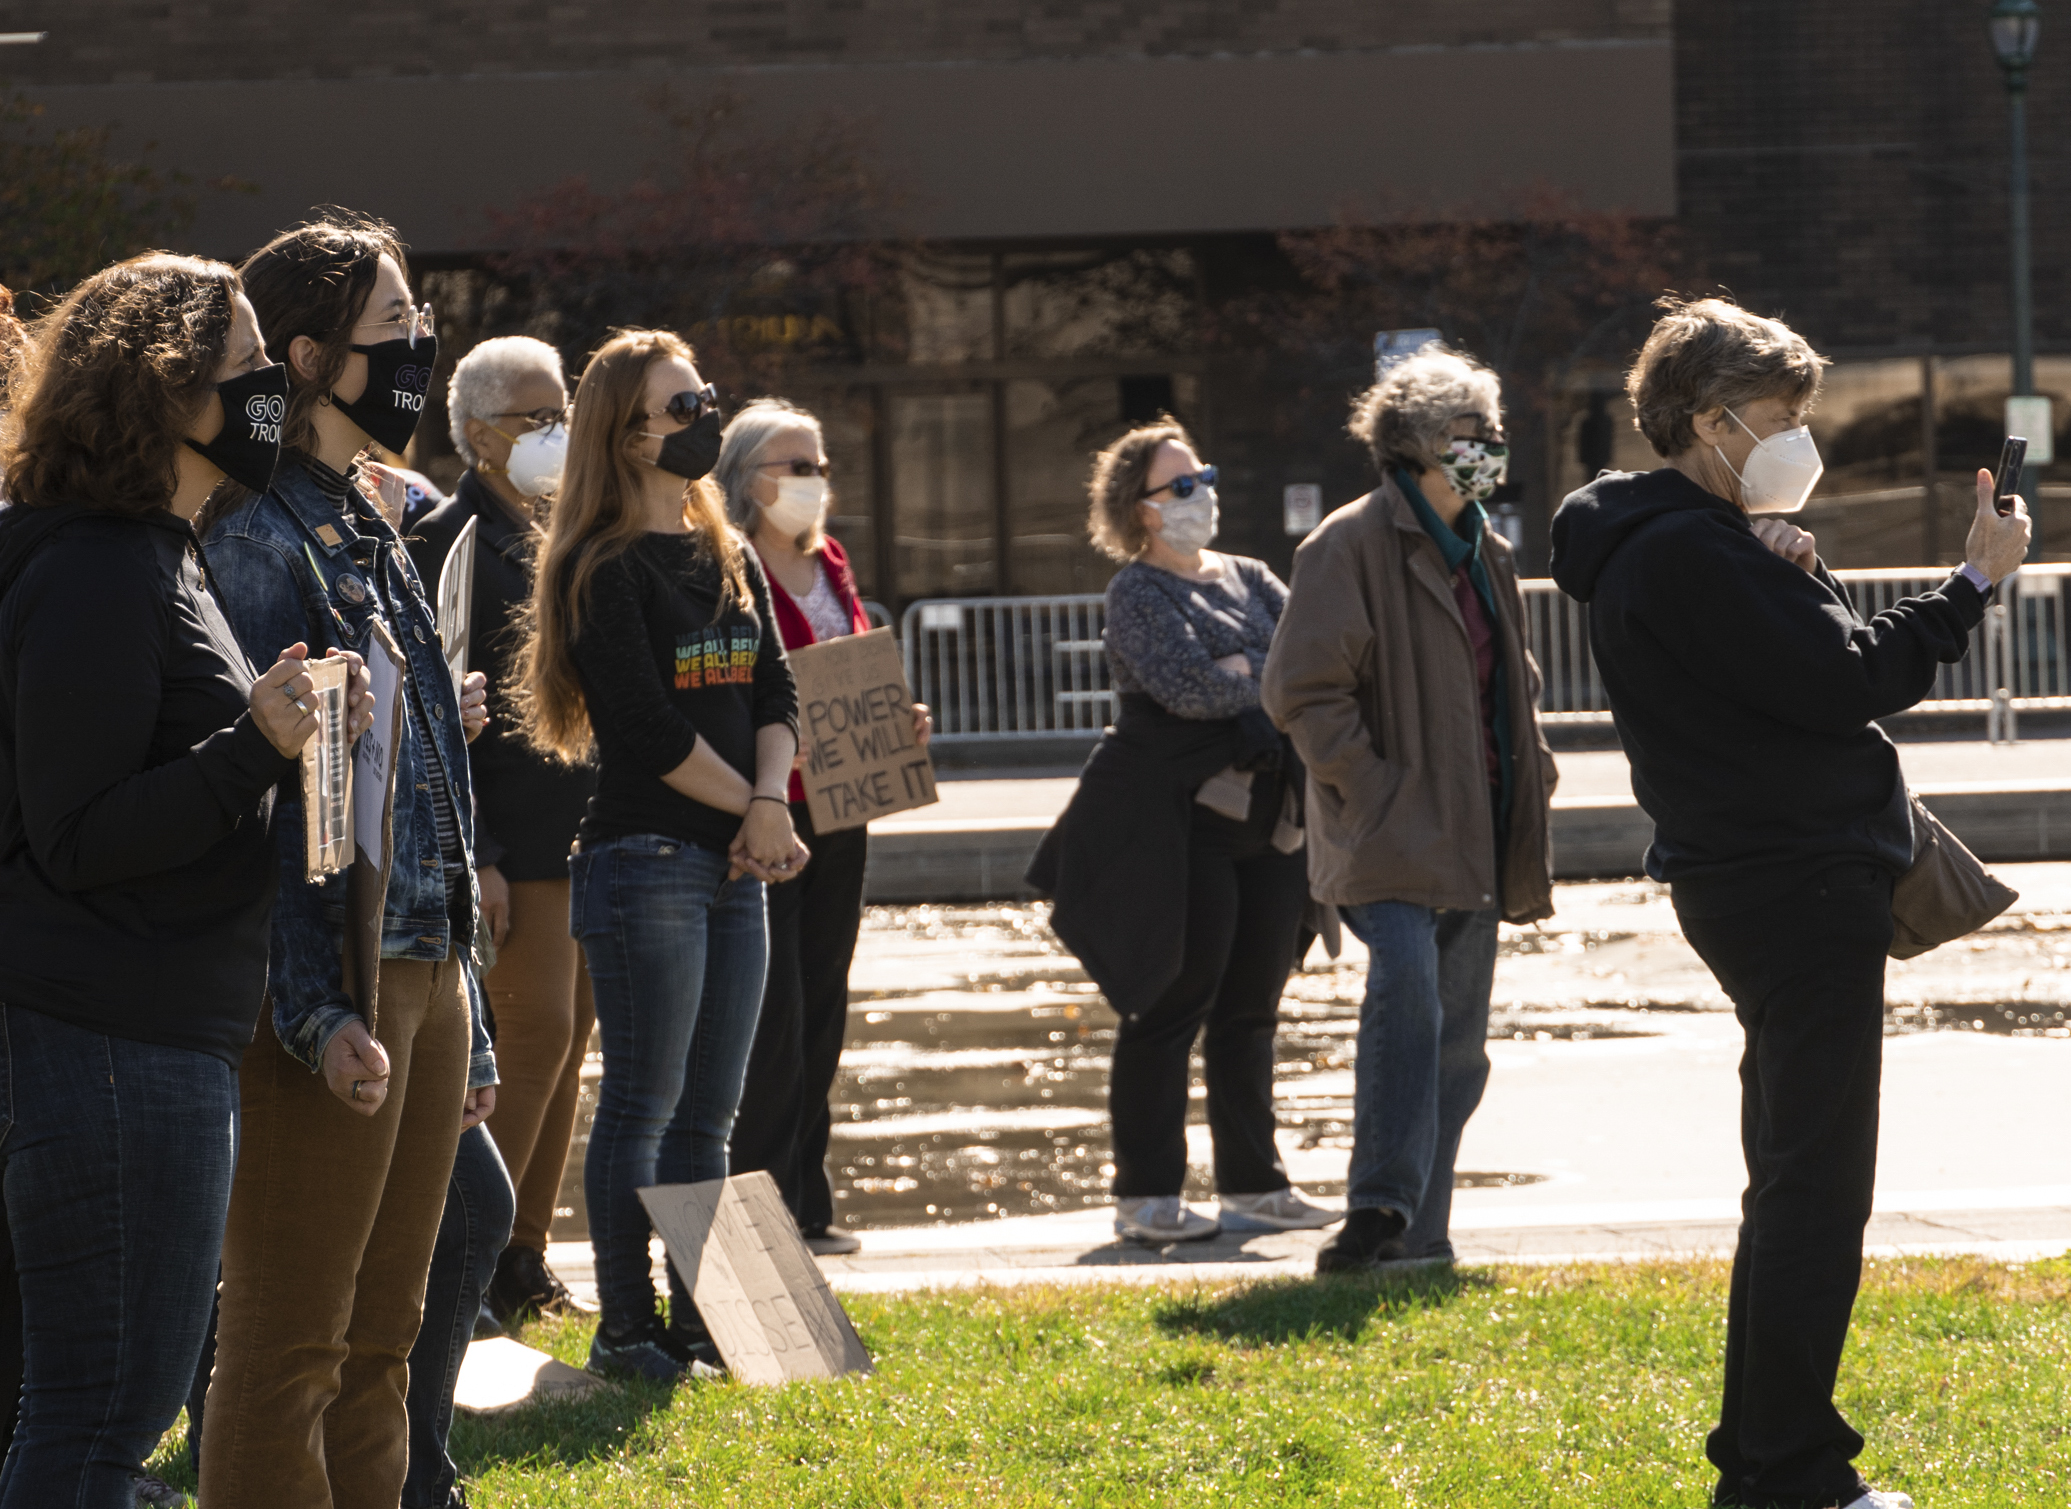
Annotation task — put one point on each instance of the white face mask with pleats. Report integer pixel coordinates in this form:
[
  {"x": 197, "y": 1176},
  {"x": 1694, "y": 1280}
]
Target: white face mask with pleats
[
  {"x": 1780, "y": 472},
  {"x": 798, "y": 504}
]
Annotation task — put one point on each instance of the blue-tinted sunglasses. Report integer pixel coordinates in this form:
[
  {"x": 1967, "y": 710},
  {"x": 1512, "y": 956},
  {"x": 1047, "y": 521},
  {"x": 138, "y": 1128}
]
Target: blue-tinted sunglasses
[{"x": 1183, "y": 487}]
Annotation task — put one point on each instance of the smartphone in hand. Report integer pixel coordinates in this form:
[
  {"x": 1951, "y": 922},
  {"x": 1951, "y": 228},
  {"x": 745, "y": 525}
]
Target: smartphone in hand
[{"x": 2008, "y": 482}]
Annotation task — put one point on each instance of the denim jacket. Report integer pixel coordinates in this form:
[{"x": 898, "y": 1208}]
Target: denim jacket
[{"x": 289, "y": 567}]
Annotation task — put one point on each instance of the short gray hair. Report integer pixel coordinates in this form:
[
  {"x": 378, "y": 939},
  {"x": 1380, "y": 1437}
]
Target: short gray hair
[
  {"x": 1709, "y": 354},
  {"x": 746, "y": 436},
  {"x": 488, "y": 376},
  {"x": 1404, "y": 418}
]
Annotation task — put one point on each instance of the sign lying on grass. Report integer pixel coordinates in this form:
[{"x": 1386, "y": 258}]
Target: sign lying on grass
[
  {"x": 855, "y": 729},
  {"x": 761, "y": 1294}
]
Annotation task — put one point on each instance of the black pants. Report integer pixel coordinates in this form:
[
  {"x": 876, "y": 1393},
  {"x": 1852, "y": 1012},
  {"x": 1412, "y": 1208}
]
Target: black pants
[
  {"x": 1806, "y": 974},
  {"x": 783, "y": 1121},
  {"x": 1245, "y": 901}
]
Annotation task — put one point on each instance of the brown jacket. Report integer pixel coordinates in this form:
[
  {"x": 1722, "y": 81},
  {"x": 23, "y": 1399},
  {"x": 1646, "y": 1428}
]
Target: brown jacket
[{"x": 1372, "y": 676}]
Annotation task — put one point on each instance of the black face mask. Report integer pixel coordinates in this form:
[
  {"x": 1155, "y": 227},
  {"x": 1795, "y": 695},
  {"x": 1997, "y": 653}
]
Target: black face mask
[
  {"x": 691, "y": 453},
  {"x": 398, "y": 377},
  {"x": 247, "y": 448}
]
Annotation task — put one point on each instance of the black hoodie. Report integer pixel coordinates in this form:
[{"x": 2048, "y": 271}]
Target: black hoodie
[
  {"x": 137, "y": 867},
  {"x": 1745, "y": 689}
]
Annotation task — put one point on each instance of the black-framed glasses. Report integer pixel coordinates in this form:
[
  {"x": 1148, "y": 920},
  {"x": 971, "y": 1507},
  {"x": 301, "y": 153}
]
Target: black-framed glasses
[
  {"x": 412, "y": 325},
  {"x": 536, "y": 419},
  {"x": 687, "y": 407},
  {"x": 1183, "y": 487},
  {"x": 800, "y": 467}
]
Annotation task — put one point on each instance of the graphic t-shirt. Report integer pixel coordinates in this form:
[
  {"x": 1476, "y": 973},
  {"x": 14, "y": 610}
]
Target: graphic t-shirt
[{"x": 664, "y": 668}]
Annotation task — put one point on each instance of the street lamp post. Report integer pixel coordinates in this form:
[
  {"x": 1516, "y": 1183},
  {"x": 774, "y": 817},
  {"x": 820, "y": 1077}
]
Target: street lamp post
[{"x": 2015, "y": 26}]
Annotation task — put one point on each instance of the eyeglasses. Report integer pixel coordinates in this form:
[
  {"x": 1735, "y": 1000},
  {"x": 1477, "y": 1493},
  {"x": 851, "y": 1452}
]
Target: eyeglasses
[
  {"x": 415, "y": 324},
  {"x": 535, "y": 419},
  {"x": 799, "y": 468},
  {"x": 687, "y": 407},
  {"x": 1183, "y": 487}
]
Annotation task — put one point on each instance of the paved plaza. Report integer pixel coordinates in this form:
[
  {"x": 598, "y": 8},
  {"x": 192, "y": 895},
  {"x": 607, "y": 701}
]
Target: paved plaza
[{"x": 970, "y": 1137}]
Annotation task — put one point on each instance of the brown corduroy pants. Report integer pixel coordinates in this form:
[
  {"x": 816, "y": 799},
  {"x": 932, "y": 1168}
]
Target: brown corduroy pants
[
  {"x": 332, "y": 1220},
  {"x": 540, "y": 994}
]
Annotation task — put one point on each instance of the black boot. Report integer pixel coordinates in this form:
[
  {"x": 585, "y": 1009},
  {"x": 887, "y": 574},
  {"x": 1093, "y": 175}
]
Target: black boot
[{"x": 1367, "y": 1239}]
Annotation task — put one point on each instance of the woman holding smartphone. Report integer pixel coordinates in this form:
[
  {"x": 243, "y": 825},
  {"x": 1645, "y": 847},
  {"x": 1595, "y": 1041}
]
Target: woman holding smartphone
[
  {"x": 139, "y": 752},
  {"x": 654, "y": 640}
]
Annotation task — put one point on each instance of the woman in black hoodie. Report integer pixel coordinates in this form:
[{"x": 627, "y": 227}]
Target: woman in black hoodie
[
  {"x": 138, "y": 755},
  {"x": 1746, "y": 691}
]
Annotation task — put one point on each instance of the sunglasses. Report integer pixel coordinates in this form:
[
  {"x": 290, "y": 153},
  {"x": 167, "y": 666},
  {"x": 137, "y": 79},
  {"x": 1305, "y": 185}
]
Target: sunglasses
[
  {"x": 1183, "y": 487},
  {"x": 687, "y": 407},
  {"x": 800, "y": 468}
]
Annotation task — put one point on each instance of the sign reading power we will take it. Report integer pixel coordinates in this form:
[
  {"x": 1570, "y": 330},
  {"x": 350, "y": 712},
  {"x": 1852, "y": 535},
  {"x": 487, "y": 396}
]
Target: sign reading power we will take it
[{"x": 855, "y": 729}]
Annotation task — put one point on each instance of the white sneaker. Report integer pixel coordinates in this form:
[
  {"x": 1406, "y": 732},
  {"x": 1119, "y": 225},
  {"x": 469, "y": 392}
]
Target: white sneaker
[
  {"x": 1884, "y": 1499},
  {"x": 1278, "y": 1210},
  {"x": 1162, "y": 1219}
]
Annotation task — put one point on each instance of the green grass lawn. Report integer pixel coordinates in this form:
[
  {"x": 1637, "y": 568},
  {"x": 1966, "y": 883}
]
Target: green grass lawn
[{"x": 1489, "y": 1388}]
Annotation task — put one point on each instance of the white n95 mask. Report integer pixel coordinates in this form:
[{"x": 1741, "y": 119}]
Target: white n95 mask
[
  {"x": 798, "y": 504},
  {"x": 1781, "y": 471},
  {"x": 537, "y": 458}
]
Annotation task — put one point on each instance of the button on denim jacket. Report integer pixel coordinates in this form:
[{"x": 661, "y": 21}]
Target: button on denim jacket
[{"x": 289, "y": 567}]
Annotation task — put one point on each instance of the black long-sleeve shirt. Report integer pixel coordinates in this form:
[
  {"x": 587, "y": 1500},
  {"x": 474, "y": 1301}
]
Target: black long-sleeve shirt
[
  {"x": 1745, "y": 688},
  {"x": 137, "y": 866},
  {"x": 663, "y": 669}
]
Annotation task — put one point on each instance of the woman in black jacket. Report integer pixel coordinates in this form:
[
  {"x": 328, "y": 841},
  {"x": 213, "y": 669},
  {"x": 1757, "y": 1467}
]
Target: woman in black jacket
[
  {"x": 138, "y": 755},
  {"x": 507, "y": 408},
  {"x": 1747, "y": 691}
]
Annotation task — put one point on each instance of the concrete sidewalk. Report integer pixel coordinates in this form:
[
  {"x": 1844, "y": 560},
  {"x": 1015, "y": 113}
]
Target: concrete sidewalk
[
  {"x": 1619, "y": 1142},
  {"x": 2009, "y": 803}
]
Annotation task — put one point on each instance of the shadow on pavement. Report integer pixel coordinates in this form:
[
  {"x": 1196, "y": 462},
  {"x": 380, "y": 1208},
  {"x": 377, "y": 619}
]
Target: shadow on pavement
[{"x": 1341, "y": 1306}]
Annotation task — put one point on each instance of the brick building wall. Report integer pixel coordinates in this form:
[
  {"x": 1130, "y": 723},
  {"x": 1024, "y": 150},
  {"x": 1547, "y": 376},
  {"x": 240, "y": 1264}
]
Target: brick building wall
[
  {"x": 1844, "y": 165},
  {"x": 138, "y": 41}
]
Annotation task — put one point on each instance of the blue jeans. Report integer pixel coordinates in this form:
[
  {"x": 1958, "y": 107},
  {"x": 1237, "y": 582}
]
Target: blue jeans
[
  {"x": 480, "y": 1206},
  {"x": 1423, "y": 1059},
  {"x": 677, "y": 955},
  {"x": 118, "y": 1158}
]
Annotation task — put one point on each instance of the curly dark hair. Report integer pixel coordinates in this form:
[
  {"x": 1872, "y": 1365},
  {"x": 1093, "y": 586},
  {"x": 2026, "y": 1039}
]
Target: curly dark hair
[
  {"x": 312, "y": 280},
  {"x": 110, "y": 381},
  {"x": 1116, "y": 487}
]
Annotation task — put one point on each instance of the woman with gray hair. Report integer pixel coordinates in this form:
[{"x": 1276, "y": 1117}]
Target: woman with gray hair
[
  {"x": 1747, "y": 692},
  {"x": 1401, "y": 673},
  {"x": 773, "y": 470},
  {"x": 506, "y": 406}
]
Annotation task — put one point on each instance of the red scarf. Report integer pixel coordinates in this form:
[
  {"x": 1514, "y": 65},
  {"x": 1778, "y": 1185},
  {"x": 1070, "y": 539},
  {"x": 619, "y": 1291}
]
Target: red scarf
[{"x": 793, "y": 626}]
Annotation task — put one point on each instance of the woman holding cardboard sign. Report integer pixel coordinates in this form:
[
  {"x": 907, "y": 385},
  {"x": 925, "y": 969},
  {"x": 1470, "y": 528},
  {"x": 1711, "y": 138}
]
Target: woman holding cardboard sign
[
  {"x": 654, "y": 640},
  {"x": 352, "y": 1107},
  {"x": 773, "y": 468},
  {"x": 137, "y": 855}
]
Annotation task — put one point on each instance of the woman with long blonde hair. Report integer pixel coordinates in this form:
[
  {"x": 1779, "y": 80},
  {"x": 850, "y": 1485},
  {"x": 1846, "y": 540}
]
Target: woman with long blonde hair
[{"x": 654, "y": 644}]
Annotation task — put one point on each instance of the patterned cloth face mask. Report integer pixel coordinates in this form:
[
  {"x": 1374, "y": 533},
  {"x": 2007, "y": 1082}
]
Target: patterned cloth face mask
[{"x": 1476, "y": 468}]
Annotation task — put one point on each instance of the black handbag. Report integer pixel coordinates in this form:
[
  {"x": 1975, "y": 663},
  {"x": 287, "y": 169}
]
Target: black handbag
[{"x": 1946, "y": 894}]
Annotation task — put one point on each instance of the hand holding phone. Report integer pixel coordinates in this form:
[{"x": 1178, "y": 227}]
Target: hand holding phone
[{"x": 2012, "y": 456}]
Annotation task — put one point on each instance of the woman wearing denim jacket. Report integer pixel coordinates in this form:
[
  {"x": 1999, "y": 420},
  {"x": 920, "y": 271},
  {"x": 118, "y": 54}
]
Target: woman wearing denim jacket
[
  {"x": 653, "y": 637},
  {"x": 350, "y": 1125}
]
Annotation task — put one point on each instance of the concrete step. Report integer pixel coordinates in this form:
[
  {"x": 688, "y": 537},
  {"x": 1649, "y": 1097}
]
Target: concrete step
[{"x": 981, "y": 858}]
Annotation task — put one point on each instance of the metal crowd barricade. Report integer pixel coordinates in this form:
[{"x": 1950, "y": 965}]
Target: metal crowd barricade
[
  {"x": 1028, "y": 667},
  {"x": 1009, "y": 667}
]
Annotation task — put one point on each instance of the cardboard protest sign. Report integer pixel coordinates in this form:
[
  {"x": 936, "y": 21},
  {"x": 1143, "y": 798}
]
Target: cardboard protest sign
[
  {"x": 457, "y": 600},
  {"x": 373, "y": 813},
  {"x": 855, "y": 729},
  {"x": 762, "y": 1296},
  {"x": 327, "y": 776}
]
